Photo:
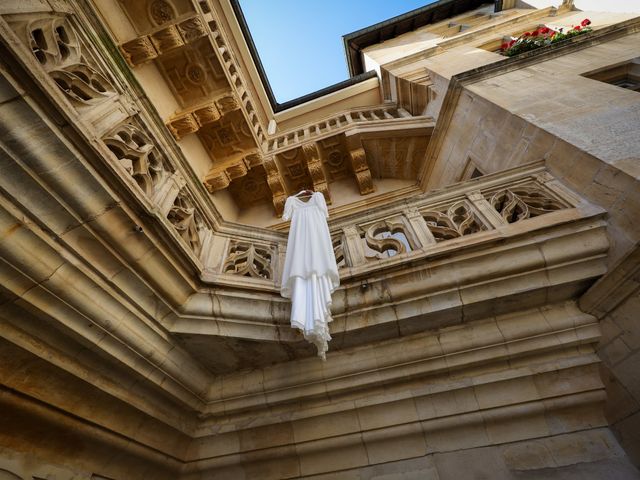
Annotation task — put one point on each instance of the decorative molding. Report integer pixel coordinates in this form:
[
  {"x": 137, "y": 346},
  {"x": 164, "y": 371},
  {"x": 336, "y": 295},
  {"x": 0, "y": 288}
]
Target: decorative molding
[
  {"x": 148, "y": 47},
  {"x": 361, "y": 170},
  {"x": 316, "y": 171}
]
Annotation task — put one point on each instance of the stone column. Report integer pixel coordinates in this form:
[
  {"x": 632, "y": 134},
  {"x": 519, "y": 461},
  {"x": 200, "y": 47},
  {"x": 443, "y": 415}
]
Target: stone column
[
  {"x": 484, "y": 209},
  {"x": 354, "y": 249}
]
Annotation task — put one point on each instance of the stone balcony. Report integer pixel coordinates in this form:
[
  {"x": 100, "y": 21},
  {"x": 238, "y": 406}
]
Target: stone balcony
[
  {"x": 141, "y": 225},
  {"x": 479, "y": 248},
  {"x": 151, "y": 328}
]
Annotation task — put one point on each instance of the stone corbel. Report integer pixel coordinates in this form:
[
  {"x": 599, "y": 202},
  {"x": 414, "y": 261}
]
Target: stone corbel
[
  {"x": 361, "y": 170},
  {"x": 275, "y": 182},
  {"x": 192, "y": 120},
  {"x": 227, "y": 104},
  {"x": 219, "y": 179},
  {"x": 138, "y": 51},
  {"x": 147, "y": 47},
  {"x": 316, "y": 172}
]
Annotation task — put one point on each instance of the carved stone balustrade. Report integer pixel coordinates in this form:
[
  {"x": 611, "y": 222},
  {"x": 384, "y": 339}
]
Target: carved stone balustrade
[
  {"x": 419, "y": 225},
  {"x": 338, "y": 124},
  {"x": 432, "y": 256}
]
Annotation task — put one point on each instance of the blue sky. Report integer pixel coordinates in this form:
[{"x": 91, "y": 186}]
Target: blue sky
[{"x": 300, "y": 42}]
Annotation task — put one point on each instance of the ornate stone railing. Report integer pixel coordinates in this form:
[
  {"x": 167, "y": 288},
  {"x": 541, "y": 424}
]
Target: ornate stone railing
[
  {"x": 413, "y": 227},
  {"x": 334, "y": 125}
]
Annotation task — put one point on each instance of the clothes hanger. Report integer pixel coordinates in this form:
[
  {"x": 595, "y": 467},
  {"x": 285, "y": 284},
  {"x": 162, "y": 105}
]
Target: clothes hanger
[{"x": 304, "y": 194}]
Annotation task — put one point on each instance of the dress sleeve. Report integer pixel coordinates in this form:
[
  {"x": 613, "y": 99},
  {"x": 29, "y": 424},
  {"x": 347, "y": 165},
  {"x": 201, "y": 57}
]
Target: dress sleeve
[
  {"x": 288, "y": 209},
  {"x": 322, "y": 204}
]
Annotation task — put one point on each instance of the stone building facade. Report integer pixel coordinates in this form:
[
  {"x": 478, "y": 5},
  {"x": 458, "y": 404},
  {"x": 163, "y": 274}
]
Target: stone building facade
[{"x": 483, "y": 211}]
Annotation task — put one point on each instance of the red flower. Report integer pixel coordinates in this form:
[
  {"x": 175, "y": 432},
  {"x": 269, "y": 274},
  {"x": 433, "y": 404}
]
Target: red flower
[
  {"x": 504, "y": 46},
  {"x": 585, "y": 22},
  {"x": 511, "y": 43},
  {"x": 544, "y": 30},
  {"x": 526, "y": 34},
  {"x": 577, "y": 28}
]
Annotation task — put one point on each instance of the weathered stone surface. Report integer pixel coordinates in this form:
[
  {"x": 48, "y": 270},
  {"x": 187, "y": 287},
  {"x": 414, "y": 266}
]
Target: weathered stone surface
[{"x": 484, "y": 214}]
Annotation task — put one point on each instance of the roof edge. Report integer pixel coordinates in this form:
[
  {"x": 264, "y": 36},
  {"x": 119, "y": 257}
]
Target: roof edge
[
  {"x": 279, "y": 107},
  {"x": 358, "y": 40}
]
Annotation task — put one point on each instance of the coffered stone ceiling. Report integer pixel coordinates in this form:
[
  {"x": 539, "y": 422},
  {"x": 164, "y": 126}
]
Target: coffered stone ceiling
[{"x": 186, "y": 43}]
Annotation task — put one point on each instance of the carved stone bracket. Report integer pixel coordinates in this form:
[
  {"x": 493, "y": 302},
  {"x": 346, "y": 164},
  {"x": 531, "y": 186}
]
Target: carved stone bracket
[
  {"x": 139, "y": 50},
  {"x": 316, "y": 172},
  {"x": 219, "y": 179},
  {"x": 361, "y": 170},
  {"x": 147, "y": 47},
  {"x": 227, "y": 104},
  {"x": 192, "y": 120},
  {"x": 276, "y": 184}
]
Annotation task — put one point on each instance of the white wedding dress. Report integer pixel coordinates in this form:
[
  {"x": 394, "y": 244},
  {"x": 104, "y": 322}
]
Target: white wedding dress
[{"x": 310, "y": 273}]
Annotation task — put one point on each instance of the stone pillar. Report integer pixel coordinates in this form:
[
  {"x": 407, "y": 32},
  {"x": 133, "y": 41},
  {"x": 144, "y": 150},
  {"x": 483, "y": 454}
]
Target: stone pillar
[
  {"x": 419, "y": 227},
  {"x": 354, "y": 249},
  {"x": 484, "y": 210}
]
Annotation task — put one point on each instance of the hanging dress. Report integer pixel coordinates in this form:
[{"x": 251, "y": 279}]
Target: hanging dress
[{"x": 310, "y": 273}]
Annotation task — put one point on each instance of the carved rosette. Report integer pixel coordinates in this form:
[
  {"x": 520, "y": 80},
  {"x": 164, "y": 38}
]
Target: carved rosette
[
  {"x": 161, "y": 12},
  {"x": 361, "y": 171}
]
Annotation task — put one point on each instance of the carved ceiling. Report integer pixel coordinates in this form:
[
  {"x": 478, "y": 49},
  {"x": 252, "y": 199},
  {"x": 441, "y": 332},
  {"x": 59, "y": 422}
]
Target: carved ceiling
[{"x": 185, "y": 42}]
